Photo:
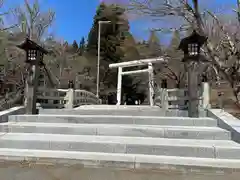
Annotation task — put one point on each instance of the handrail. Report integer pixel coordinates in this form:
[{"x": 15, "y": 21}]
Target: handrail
[
  {"x": 180, "y": 98},
  {"x": 68, "y": 98},
  {"x": 57, "y": 98},
  {"x": 82, "y": 90}
]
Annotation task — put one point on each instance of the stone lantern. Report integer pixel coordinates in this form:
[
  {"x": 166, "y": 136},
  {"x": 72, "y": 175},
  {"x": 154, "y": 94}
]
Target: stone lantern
[
  {"x": 34, "y": 57},
  {"x": 191, "y": 46}
]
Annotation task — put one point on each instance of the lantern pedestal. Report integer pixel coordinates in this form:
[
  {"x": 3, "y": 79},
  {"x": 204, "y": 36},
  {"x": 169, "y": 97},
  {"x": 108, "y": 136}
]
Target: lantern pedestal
[
  {"x": 193, "y": 90},
  {"x": 31, "y": 90}
]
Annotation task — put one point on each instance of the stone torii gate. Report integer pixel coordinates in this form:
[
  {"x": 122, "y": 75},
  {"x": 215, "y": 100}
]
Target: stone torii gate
[{"x": 141, "y": 62}]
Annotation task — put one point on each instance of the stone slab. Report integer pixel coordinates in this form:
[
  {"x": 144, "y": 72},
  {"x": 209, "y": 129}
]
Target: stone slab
[
  {"x": 176, "y": 113},
  {"x": 177, "y": 132},
  {"x": 110, "y": 119},
  {"x": 62, "y": 165},
  {"x": 158, "y": 162},
  {"x": 114, "y": 139},
  {"x": 170, "y": 113},
  {"x": 51, "y": 165},
  {"x": 132, "y": 112},
  {"x": 196, "y": 132},
  {"x": 129, "y": 161},
  {"x": 226, "y": 153},
  {"x": 226, "y": 121},
  {"x": 103, "y": 106},
  {"x": 129, "y": 145},
  {"x": 48, "y": 128}
]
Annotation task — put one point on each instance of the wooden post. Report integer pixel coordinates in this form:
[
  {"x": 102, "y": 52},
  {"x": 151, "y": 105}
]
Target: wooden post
[{"x": 193, "y": 90}]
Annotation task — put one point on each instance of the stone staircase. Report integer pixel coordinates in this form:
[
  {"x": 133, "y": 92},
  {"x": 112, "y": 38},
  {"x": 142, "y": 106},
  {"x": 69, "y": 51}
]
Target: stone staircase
[{"x": 116, "y": 140}]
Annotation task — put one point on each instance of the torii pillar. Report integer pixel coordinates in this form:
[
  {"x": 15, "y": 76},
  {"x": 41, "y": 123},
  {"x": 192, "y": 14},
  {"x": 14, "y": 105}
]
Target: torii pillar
[{"x": 148, "y": 62}]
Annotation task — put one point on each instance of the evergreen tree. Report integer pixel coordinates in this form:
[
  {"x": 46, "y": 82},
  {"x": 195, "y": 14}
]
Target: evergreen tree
[
  {"x": 176, "y": 38},
  {"x": 82, "y": 46},
  {"x": 93, "y": 34},
  {"x": 75, "y": 45},
  {"x": 113, "y": 36},
  {"x": 175, "y": 71},
  {"x": 129, "y": 47},
  {"x": 111, "y": 33},
  {"x": 154, "y": 45}
]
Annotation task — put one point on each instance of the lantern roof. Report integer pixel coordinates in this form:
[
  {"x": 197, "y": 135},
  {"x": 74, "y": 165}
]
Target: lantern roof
[
  {"x": 29, "y": 44},
  {"x": 194, "y": 38}
]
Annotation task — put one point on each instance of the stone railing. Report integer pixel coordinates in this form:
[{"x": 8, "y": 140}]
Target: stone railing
[
  {"x": 178, "y": 98},
  {"x": 171, "y": 98},
  {"x": 12, "y": 111},
  {"x": 65, "y": 98}
]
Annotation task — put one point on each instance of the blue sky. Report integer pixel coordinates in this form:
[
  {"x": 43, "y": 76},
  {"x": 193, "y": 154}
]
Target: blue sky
[{"x": 74, "y": 18}]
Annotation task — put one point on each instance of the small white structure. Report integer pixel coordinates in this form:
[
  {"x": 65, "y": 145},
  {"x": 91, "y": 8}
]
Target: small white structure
[
  {"x": 206, "y": 95},
  {"x": 142, "y": 62}
]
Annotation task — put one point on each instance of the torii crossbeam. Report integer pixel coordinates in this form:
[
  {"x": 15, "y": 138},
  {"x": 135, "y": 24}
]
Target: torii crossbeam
[{"x": 141, "y": 62}]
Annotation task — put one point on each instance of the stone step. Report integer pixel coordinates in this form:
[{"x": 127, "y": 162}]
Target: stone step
[
  {"x": 115, "y": 160},
  {"x": 221, "y": 149},
  {"x": 102, "y": 111},
  {"x": 176, "y": 132},
  {"x": 49, "y": 165},
  {"x": 128, "y": 107},
  {"x": 110, "y": 119},
  {"x": 124, "y": 109}
]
